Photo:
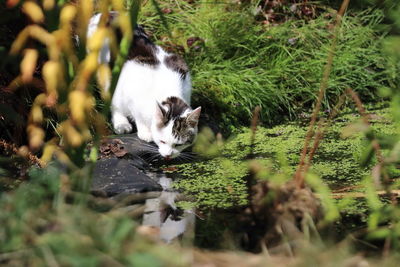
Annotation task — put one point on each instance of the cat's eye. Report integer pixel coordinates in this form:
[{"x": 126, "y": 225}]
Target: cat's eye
[{"x": 162, "y": 142}]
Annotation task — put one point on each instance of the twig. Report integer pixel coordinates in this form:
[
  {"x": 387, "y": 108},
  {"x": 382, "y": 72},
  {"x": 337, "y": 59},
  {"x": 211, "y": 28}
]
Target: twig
[
  {"x": 49, "y": 256},
  {"x": 254, "y": 123},
  {"x": 321, "y": 131},
  {"x": 250, "y": 176},
  {"x": 365, "y": 119},
  {"x": 377, "y": 148},
  {"x": 352, "y": 237},
  {"x": 381, "y": 193},
  {"x": 347, "y": 188},
  {"x": 374, "y": 142},
  {"x": 386, "y": 247},
  {"x": 125, "y": 199},
  {"x": 11, "y": 148},
  {"x": 299, "y": 175}
]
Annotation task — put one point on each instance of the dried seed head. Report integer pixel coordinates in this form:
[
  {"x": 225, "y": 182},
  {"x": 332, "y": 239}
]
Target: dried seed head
[
  {"x": 68, "y": 13},
  {"x": 48, "y": 4},
  {"x": 33, "y": 11},
  {"x": 103, "y": 79},
  {"x": 77, "y": 101},
  {"x": 28, "y": 64},
  {"x": 36, "y": 115},
  {"x": 96, "y": 41},
  {"x": 36, "y": 136},
  {"x": 48, "y": 152},
  {"x": 71, "y": 135},
  {"x": 51, "y": 73}
]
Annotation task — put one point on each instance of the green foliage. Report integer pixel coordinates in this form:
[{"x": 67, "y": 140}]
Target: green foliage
[
  {"x": 219, "y": 182},
  {"x": 383, "y": 221},
  {"x": 240, "y": 63}
]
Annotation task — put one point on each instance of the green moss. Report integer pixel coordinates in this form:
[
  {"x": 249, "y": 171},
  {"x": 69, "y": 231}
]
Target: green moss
[
  {"x": 219, "y": 182},
  {"x": 215, "y": 183}
]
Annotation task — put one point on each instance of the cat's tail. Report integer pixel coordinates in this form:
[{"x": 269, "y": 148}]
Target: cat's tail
[
  {"x": 141, "y": 45},
  {"x": 105, "y": 55},
  {"x": 140, "y": 32}
]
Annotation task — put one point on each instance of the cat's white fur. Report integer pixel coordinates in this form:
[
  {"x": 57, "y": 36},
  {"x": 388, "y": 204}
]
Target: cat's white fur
[{"x": 140, "y": 87}]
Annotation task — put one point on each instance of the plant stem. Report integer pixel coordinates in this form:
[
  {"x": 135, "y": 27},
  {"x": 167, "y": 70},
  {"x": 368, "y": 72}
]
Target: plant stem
[{"x": 299, "y": 175}]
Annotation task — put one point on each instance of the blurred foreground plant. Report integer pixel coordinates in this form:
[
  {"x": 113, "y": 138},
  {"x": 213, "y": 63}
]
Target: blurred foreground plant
[
  {"x": 48, "y": 220},
  {"x": 69, "y": 70},
  {"x": 45, "y": 224},
  {"x": 384, "y": 150}
]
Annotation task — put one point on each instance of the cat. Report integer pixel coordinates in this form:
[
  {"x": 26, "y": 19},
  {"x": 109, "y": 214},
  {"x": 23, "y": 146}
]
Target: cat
[{"x": 154, "y": 90}]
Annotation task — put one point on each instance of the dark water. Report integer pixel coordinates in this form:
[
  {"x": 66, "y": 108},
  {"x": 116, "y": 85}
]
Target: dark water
[{"x": 163, "y": 213}]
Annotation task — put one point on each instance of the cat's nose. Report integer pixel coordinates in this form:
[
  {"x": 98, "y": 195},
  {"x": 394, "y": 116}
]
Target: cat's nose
[{"x": 170, "y": 156}]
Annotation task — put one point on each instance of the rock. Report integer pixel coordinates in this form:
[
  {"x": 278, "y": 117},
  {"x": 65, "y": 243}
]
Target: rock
[
  {"x": 128, "y": 146},
  {"x": 120, "y": 168},
  {"x": 113, "y": 176}
]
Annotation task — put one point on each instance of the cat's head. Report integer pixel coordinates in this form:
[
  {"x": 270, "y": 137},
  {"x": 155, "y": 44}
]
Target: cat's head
[{"x": 174, "y": 126}]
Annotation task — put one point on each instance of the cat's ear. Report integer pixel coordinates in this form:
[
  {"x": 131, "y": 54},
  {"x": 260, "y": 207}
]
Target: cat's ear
[
  {"x": 193, "y": 117},
  {"x": 160, "y": 115}
]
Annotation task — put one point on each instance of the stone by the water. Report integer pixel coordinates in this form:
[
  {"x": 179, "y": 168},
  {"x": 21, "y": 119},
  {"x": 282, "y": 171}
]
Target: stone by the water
[
  {"x": 113, "y": 176},
  {"x": 120, "y": 168}
]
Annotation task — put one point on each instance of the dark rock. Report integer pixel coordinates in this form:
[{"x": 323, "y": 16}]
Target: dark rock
[
  {"x": 113, "y": 176},
  {"x": 128, "y": 146},
  {"x": 120, "y": 167}
]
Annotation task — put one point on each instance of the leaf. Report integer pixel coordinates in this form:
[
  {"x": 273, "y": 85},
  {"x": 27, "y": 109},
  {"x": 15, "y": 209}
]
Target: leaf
[
  {"x": 144, "y": 260},
  {"x": 373, "y": 220},
  {"x": 381, "y": 233},
  {"x": 93, "y": 154},
  {"x": 120, "y": 153},
  {"x": 367, "y": 155},
  {"x": 170, "y": 169}
]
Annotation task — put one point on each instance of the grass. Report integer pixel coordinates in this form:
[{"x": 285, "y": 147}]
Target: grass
[{"x": 239, "y": 63}]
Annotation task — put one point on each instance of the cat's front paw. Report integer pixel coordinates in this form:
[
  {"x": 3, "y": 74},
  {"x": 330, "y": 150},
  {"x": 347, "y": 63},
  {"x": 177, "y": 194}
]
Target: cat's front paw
[
  {"x": 122, "y": 128},
  {"x": 145, "y": 136}
]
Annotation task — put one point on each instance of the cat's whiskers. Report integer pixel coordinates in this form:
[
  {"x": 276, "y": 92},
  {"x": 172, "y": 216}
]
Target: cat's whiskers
[
  {"x": 153, "y": 157},
  {"x": 186, "y": 156},
  {"x": 148, "y": 146},
  {"x": 151, "y": 149}
]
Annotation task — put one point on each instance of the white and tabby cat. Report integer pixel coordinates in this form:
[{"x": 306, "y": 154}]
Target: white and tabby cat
[{"x": 154, "y": 90}]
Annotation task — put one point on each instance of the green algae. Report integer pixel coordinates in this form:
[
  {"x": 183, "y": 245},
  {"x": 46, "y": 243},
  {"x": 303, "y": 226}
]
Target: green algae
[
  {"x": 219, "y": 182},
  {"x": 215, "y": 183}
]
